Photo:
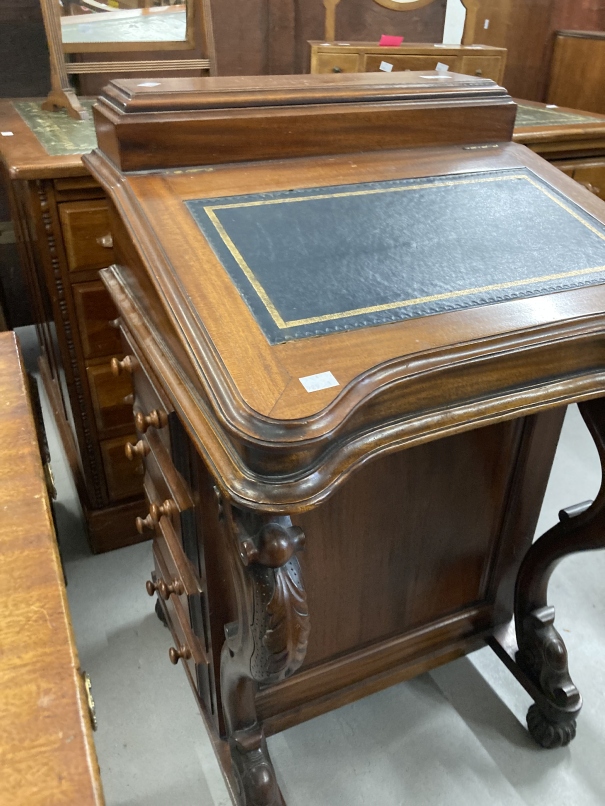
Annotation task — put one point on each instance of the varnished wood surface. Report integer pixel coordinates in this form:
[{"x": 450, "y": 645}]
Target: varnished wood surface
[
  {"x": 47, "y": 755},
  {"x": 577, "y": 70}
]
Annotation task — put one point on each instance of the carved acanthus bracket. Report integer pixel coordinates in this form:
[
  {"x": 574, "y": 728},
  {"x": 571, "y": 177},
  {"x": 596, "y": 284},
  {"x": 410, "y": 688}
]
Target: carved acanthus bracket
[{"x": 267, "y": 643}]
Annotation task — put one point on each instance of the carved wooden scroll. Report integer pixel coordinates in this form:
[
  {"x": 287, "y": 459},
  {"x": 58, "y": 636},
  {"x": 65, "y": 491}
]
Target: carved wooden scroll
[{"x": 267, "y": 643}]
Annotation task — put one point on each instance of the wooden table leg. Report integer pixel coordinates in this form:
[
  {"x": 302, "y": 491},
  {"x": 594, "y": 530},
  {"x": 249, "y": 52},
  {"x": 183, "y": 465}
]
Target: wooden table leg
[
  {"x": 267, "y": 643},
  {"x": 538, "y": 658}
]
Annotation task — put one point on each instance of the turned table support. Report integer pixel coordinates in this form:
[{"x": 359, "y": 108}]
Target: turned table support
[
  {"x": 266, "y": 644},
  {"x": 538, "y": 656}
]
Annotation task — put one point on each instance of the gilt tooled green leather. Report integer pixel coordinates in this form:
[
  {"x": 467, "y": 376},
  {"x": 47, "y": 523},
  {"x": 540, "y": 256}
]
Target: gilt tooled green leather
[
  {"x": 57, "y": 133},
  {"x": 320, "y": 260},
  {"x": 537, "y": 116}
]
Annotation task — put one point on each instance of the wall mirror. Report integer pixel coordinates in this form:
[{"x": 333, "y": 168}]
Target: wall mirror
[
  {"x": 170, "y": 35},
  {"x": 471, "y": 7}
]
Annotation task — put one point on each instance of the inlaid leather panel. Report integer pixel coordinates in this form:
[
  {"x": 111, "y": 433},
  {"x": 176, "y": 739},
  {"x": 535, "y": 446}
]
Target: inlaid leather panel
[{"x": 321, "y": 260}]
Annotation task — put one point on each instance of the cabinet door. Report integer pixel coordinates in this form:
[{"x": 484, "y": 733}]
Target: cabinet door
[{"x": 592, "y": 176}]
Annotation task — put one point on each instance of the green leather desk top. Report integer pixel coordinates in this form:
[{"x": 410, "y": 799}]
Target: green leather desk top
[
  {"x": 537, "y": 116},
  {"x": 59, "y": 134}
]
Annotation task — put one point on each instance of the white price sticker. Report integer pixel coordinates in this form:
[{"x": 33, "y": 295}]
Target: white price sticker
[
  {"x": 442, "y": 68},
  {"x": 315, "y": 383},
  {"x": 6, "y": 134},
  {"x": 385, "y": 67}
]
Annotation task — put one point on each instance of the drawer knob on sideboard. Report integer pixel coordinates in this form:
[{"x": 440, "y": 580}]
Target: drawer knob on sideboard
[
  {"x": 151, "y": 587},
  {"x": 106, "y": 241},
  {"x": 138, "y": 450},
  {"x": 479, "y": 72},
  {"x": 144, "y": 524},
  {"x": 166, "y": 588},
  {"x": 337, "y": 69},
  {"x": 155, "y": 418},
  {"x": 127, "y": 364},
  {"x": 593, "y": 188},
  {"x": 175, "y": 655},
  {"x": 168, "y": 508}
]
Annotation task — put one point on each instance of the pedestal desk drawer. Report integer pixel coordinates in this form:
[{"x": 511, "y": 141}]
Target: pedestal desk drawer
[
  {"x": 189, "y": 648},
  {"x": 181, "y": 579},
  {"x": 124, "y": 478},
  {"x": 88, "y": 243},
  {"x": 166, "y": 483},
  {"x": 94, "y": 311},
  {"x": 109, "y": 395}
]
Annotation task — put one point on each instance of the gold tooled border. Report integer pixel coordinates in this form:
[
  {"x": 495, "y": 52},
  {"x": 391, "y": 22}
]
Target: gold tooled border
[{"x": 282, "y": 324}]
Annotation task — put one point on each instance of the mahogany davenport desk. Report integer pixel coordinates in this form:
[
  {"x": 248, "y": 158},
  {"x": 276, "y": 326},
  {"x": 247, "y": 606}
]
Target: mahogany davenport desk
[{"x": 353, "y": 311}]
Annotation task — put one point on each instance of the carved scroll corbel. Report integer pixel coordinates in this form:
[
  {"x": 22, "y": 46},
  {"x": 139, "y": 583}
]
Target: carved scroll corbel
[{"x": 266, "y": 644}]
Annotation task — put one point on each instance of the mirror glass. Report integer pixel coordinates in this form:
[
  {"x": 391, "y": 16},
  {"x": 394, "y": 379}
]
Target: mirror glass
[{"x": 99, "y": 22}]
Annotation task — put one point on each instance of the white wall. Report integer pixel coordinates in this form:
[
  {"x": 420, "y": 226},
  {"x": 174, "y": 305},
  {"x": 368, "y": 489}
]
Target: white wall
[{"x": 454, "y": 22}]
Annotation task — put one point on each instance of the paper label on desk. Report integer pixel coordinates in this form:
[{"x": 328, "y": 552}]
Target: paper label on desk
[
  {"x": 6, "y": 134},
  {"x": 385, "y": 67},
  {"x": 149, "y": 84},
  {"x": 442, "y": 68},
  {"x": 486, "y": 24},
  {"x": 387, "y": 41},
  {"x": 315, "y": 383}
]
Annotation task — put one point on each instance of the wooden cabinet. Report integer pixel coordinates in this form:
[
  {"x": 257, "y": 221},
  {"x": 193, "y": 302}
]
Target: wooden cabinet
[
  {"x": 367, "y": 57},
  {"x": 577, "y": 73},
  {"x": 62, "y": 226}
]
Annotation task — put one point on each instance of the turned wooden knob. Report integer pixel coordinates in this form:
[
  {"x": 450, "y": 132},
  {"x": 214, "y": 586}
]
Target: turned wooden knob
[
  {"x": 176, "y": 654},
  {"x": 593, "y": 188},
  {"x": 337, "y": 69},
  {"x": 155, "y": 418},
  {"x": 479, "y": 72},
  {"x": 166, "y": 588},
  {"x": 168, "y": 508},
  {"x": 128, "y": 400},
  {"x": 144, "y": 524},
  {"x": 151, "y": 587},
  {"x": 127, "y": 364},
  {"x": 138, "y": 450}
]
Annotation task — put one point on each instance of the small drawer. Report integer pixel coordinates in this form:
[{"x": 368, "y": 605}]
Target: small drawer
[
  {"x": 179, "y": 621},
  {"x": 124, "y": 478},
  {"x": 592, "y": 176},
  {"x": 110, "y": 396},
  {"x": 88, "y": 242},
  {"x": 337, "y": 63},
  {"x": 483, "y": 66},
  {"x": 405, "y": 62},
  {"x": 94, "y": 312},
  {"x": 181, "y": 580}
]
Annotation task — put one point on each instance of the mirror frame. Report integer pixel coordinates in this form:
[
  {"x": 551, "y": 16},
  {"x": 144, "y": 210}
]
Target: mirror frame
[
  {"x": 63, "y": 96},
  {"x": 471, "y": 6}
]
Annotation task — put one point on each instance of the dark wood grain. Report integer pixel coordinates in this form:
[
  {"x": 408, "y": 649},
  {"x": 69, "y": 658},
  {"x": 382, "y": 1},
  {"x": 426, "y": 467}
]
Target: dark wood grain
[{"x": 578, "y": 66}]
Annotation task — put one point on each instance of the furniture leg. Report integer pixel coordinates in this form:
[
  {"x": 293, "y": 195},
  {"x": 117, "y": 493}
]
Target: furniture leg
[
  {"x": 539, "y": 659},
  {"x": 267, "y": 643}
]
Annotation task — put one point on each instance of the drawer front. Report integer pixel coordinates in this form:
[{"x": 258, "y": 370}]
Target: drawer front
[
  {"x": 109, "y": 397},
  {"x": 405, "y": 62},
  {"x": 181, "y": 578},
  {"x": 337, "y": 63},
  {"x": 86, "y": 235},
  {"x": 124, "y": 478},
  {"x": 179, "y": 621},
  {"x": 592, "y": 176},
  {"x": 484, "y": 66},
  {"x": 94, "y": 311},
  {"x": 166, "y": 483}
]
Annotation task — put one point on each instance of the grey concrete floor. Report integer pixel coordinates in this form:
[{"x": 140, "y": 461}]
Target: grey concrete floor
[{"x": 453, "y": 736}]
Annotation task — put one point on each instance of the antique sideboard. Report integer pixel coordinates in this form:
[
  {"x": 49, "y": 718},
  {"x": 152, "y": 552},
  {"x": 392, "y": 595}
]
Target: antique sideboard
[
  {"x": 353, "y": 327},
  {"x": 62, "y": 228},
  {"x": 367, "y": 57},
  {"x": 47, "y": 754}
]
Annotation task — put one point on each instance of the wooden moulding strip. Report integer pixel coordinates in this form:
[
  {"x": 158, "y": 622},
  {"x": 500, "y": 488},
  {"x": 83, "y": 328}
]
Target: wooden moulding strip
[
  {"x": 131, "y": 67},
  {"x": 337, "y": 682}
]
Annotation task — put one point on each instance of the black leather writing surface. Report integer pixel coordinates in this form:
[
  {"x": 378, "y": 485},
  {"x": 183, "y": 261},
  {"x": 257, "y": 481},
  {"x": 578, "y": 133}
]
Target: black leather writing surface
[{"x": 320, "y": 260}]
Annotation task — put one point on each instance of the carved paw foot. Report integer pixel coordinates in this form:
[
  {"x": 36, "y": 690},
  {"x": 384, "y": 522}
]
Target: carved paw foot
[
  {"x": 547, "y": 733},
  {"x": 254, "y": 773}
]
